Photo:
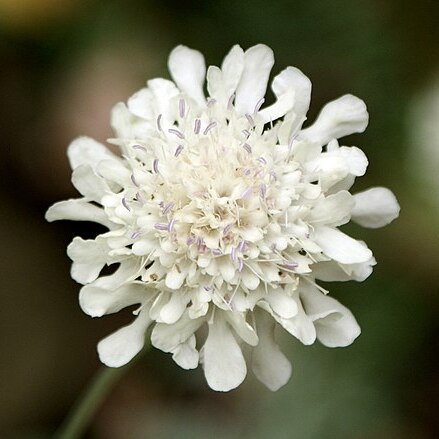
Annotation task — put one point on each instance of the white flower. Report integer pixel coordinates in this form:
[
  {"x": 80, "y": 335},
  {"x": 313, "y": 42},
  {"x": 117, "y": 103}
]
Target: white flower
[{"x": 223, "y": 212}]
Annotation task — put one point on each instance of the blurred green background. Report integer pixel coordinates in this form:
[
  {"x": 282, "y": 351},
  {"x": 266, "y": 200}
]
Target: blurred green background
[{"x": 64, "y": 63}]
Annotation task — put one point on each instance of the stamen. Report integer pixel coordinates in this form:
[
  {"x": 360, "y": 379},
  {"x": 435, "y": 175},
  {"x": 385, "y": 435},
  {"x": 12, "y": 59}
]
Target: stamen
[
  {"x": 261, "y": 160},
  {"x": 135, "y": 235},
  {"x": 273, "y": 175},
  {"x": 246, "y": 133},
  {"x": 211, "y": 102},
  {"x": 227, "y": 228},
  {"x": 182, "y": 107},
  {"x": 290, "y": 264},
  {"x": 241, "y": 264},
  {"x": 159, "y": 124},
  {"x": 241, "y": 245},
  {"x": 262, "y": 190},
  {"x": 197, "y": 126},
  {"x": 246, "y": 193},
  {"x": 209, "y": 127},
  {"x": 133, "y": 179},
  {"x": 155, "y": 166},
  {"x": 247, "y": 172},
  {"x": 233, "y": 254},
  {"x": 247, "y": 147},
  {"x": 177, "y": 133},
  {"x": 139, "y": 198},
  {"x": 171, "y": 225},
  {"x": 167, "y": 208},
  {"x": 207, "y": 288},
  {"x": 230, "y": 102},
  {"x": 217, "y": 252},
  {"x": 142, "y": 148},
  {"x": 258, "y": 105},
  {"x": 291, "y": 141},
  {"x": 250, "y": 120},
  {"x": 189, "y": 240},
  {"x": 161, "y": 226},
  {"x": 124, "y": 203},
  {"x": 178, "y": 150}
]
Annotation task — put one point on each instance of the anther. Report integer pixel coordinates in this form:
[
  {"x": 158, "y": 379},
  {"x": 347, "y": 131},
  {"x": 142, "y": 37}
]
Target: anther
[
  {"x": 159, "y": 124},
  {"x": 182, "y": 107},
  {"x": 177, "y": 133},
  {"x": 124, "y": 203},
  {"x": 197, "y": 126},
  {"x": 247, "y": 147},
  {"x": 209, "y": 127},
  {"x": 155, "y": 166},
  {"x": 178, "y": 150}
]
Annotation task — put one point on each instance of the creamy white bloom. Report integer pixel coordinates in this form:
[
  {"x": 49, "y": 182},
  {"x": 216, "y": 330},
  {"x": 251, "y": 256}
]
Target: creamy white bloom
[{"x": 222, "y": 212}]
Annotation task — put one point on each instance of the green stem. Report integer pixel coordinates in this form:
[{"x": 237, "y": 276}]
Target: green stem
[{"x": 77, "y": 421}]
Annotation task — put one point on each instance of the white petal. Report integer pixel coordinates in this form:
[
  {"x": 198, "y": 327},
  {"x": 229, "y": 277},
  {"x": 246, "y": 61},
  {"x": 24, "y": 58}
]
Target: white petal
[
  {"x": 331, "y": 271},
  {"x": 127, "y": 271},
  {"x": 77, "y": 210},
  {"x": 114, "y": 171},
  {"x": 333, "y": 210},
  {"x": 168, "y": 337},
  {"x": 341, "y": 247},
  {"x": 88, "y": 183},
  {"x": 293, "y": 92},
  {"x": 223, "y": 362},
  {"x": 89, "y": 257},
  {"x": 121, "y": 121},
  {"x": 335, "y": 324},
  {"x": 175, "y": 279},
  {"x": 282, "y": 304},
  {"x": 86, "y": 151},
  {"x": 141, "y": 104},
  {"x": 164, "y": 92},
  {"x": 346, "y": 115},
  {"x": 258, "y": 61},
  {"x": 174, "y": 309},
  {"x": 375, "y": 207},
  {"x": 123, "y": 345},
  {"x": 96, "y": 301},
  {"x": 188, "y": 69},
  {"x": 269, "y": 364},
  {"x": 186, "y": 355},
  {"x": 242, "y": 328}
]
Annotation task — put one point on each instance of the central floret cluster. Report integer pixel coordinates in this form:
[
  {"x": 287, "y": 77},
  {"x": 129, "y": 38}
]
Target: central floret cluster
[{"x": 220, "y": 212}]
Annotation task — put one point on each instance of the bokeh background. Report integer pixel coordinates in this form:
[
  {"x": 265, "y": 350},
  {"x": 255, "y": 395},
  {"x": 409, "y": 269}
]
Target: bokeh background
[{"x": 65, "y": 63}]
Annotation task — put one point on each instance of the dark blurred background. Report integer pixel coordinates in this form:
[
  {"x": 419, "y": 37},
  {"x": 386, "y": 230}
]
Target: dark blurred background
[{"x": 65, "y": 63}]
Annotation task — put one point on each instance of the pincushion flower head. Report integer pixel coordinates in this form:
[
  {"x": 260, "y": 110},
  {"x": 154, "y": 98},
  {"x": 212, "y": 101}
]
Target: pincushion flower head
[{"x": 223, "y": 213}]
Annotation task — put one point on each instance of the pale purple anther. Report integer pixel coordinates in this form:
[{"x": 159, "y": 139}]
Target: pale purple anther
[
  {"x": 241, "y": 265},
  {"x": 261, "y": 160},
  {"x": 124, "y": 203},
  {"x": 233, "y": 254},
  {"x": 211, "y": 102},
  {"x": 133, "y": 179},
  {"x": 135, "y": 235},
  {"x": 209, "y": 127},
  {"x": 159, "y": 122},
  {"x": 217, "y": 252},
  {"x": 262, "y": 190},
  {"x": 176, "y": 132},
  {"x": 189, "y": 240},
  {"x": 258, "y": 105},
  {"x": 227, "y": 228},
  {"x": 241, "y": 245},
  {"x": 246, "y": 193},
  {"x": 247, "y": 147},
  {"x": 290, "y": 264},
  {"x": 197, "y": 126},
  {"x": 182, "y": 107},
  {"x": 171, "y": 225},
  {"x": 139, "y": 198},
  {"x": 178, "y": 150},
  {"x": 161, "y": 226},
  {"x": 142, "y": 148},
  {"x": 155, "y": 166},
  {"x": 246, "y": 133},
  {"x": 167, "y": 208},
  {"x": 250, "y": 120}
]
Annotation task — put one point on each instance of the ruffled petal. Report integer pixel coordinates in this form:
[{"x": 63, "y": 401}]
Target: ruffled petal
[
  {"x": 175, "y": 308},
  {"x": 89, "y": 257},
  {"x": 293, "y": 92},
  {"x": 269, "y": 364},
  {"x": 334, "y": 323},
  {"x": 188, "y": 69},
  {"x": 346, "y": 115},
  {"x": 331, "y": 271},
  {"x": 77, "y": 210},
  {"x": 333, "y": 210},
  {"x": 122, "y": 346},
  {"x": 223, "y": 362},
  {"x": 141, "y": 104},
  {"x": 375, "y": 207},
  {"x": 258, "y": 61},
  {"x": 89, "y": 184},
  {"x": 86, "y": 151},
  {"x": 340, "y": 246}
]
